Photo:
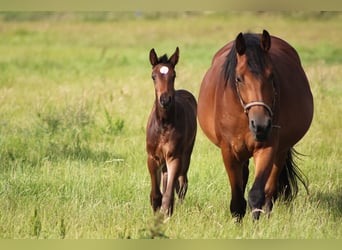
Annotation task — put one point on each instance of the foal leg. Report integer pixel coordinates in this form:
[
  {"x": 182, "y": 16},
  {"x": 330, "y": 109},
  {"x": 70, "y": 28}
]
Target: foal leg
[
  {"x": 168, "y": 197},
  {"x": 182, "y": 182},
  {"x": 155, "y": 195},
  {"x": 164, "y": 178},
  {"x": 182, "y": 187}
]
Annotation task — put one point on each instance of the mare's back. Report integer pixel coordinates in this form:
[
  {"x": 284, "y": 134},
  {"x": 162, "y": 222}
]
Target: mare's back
[{"x": 295, "y": 97}]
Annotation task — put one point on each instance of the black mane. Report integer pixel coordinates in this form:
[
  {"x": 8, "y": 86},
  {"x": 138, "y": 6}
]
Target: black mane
[{"x": 256, "y": 59}]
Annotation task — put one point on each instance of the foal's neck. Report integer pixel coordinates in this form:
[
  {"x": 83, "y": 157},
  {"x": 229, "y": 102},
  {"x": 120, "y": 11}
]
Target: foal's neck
[{"x": 165, "y": 116}]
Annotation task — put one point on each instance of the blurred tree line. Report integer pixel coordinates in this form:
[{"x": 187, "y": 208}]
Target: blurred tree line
[{"x": 17, "y": 16}]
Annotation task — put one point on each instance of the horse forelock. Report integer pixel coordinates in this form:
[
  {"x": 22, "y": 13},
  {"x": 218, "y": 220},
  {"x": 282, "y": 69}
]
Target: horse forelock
[
  {"x": 163, "y": 59},
  {"x": 256, "y": 59}
]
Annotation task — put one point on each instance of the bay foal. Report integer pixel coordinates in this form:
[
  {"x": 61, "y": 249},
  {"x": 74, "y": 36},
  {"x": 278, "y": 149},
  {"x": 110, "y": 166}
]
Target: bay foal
[{"x": 170, "y": 134}]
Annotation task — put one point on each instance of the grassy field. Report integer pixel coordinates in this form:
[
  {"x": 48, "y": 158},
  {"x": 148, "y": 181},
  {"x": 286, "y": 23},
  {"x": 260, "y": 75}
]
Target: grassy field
[{"x": 75, "y": 94}]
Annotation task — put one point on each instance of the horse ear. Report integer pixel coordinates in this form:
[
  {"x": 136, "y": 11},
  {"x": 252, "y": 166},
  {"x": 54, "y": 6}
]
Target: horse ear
[
  {"x": 265, "y": 40},
  {"x": 240, "y": 44},
  {"x": 153, "y": 57},
  {"x": 174, "y": 58}
]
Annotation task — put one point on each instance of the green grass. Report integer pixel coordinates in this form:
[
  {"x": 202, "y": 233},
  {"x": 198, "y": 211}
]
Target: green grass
[{"x": 75, "y": 94}]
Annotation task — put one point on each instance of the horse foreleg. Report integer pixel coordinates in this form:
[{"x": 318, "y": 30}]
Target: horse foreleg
[
  {"x": 263, "y": 165},
  {"x": 168, "y": 197},
  {"x": 155, "y": 195},
  {"x": 237, "y": 178}
]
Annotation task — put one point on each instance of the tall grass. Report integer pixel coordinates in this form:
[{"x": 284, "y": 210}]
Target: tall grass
[{"x": 75, "y": 93}]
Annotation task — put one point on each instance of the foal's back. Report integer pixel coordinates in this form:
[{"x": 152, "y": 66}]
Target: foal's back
[{"x": 185, "y": 118}]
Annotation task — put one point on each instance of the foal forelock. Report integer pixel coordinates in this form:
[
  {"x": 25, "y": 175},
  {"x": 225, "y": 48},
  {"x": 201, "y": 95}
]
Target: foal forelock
[
  {"x": 256, "y": 59},
  {"x": 163, "y": 59}
]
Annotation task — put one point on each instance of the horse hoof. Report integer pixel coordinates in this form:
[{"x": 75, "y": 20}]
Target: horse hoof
[{"x": 256, "y": 213}]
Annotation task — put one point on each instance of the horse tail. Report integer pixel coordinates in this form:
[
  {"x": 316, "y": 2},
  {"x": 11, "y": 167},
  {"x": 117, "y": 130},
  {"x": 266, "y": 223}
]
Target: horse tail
[{"x": 289, "y": 177}]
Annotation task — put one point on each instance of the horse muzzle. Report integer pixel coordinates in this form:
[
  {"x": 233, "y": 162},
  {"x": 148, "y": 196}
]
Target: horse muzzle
[{"x": 260, "y": 125}]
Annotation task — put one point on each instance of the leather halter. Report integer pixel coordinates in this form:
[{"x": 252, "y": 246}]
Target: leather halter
[{"x": 247, "y": 106}]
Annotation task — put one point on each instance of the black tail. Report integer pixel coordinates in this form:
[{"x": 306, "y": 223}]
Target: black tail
[{"x": 289, "y": 176}]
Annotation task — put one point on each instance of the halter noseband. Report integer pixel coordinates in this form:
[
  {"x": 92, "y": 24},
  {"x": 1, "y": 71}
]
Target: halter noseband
[
  {"x": 251, "y": 104},
  {"x": 247, "y": 106}
]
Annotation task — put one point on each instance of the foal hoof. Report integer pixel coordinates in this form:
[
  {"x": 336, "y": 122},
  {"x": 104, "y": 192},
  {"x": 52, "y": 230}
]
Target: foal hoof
[{"x": 166, "y": 214}]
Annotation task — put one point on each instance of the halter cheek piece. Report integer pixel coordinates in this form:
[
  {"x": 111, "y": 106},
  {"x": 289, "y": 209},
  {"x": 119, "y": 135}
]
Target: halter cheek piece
[{"x": 247, "y": 106}]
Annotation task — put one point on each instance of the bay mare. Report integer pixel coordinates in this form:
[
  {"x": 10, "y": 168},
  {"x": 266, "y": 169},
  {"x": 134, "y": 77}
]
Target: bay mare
[{"x": 255, "y": 101}]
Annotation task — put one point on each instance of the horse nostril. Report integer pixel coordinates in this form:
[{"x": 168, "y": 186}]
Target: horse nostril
[
  {"x": 260, "y": 128},
  {"x": 253, "y": 124}
]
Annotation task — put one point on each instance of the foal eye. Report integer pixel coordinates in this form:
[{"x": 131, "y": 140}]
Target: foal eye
[{"x": 153, "y": 77}]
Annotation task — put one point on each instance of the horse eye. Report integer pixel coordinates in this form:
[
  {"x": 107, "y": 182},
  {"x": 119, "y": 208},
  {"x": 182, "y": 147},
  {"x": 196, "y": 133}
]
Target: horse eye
[
  {"x": 238, "y": 79},
  {"x": 153, "y": 77},
  {"x": 271, "y": 77}
]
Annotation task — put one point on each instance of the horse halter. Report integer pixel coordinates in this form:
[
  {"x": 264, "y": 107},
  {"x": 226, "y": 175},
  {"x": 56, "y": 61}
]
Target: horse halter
[{"x": 247, "y": 106}]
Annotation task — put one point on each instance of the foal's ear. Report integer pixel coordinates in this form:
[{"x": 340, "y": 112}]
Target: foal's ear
[
  {"x": 153, "y": 58},
  {"x": 240, "y": 44},
  {"x": 265, "y": 40},
  {"x": 174, "y": 58}
]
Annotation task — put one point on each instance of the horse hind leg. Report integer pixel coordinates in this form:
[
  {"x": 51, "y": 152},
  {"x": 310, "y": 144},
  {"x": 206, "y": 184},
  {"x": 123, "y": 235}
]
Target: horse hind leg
[
  {"x": 182, "y": 187},
  {"x": 164, "y": 178},
  {"x": 282, "y": 182},
  {"x": 182, "y": 181},
  {"x": 272, "y": 186}
]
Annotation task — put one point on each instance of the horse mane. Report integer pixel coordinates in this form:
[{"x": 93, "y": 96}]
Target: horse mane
[{"x": 256, "y": 60}]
